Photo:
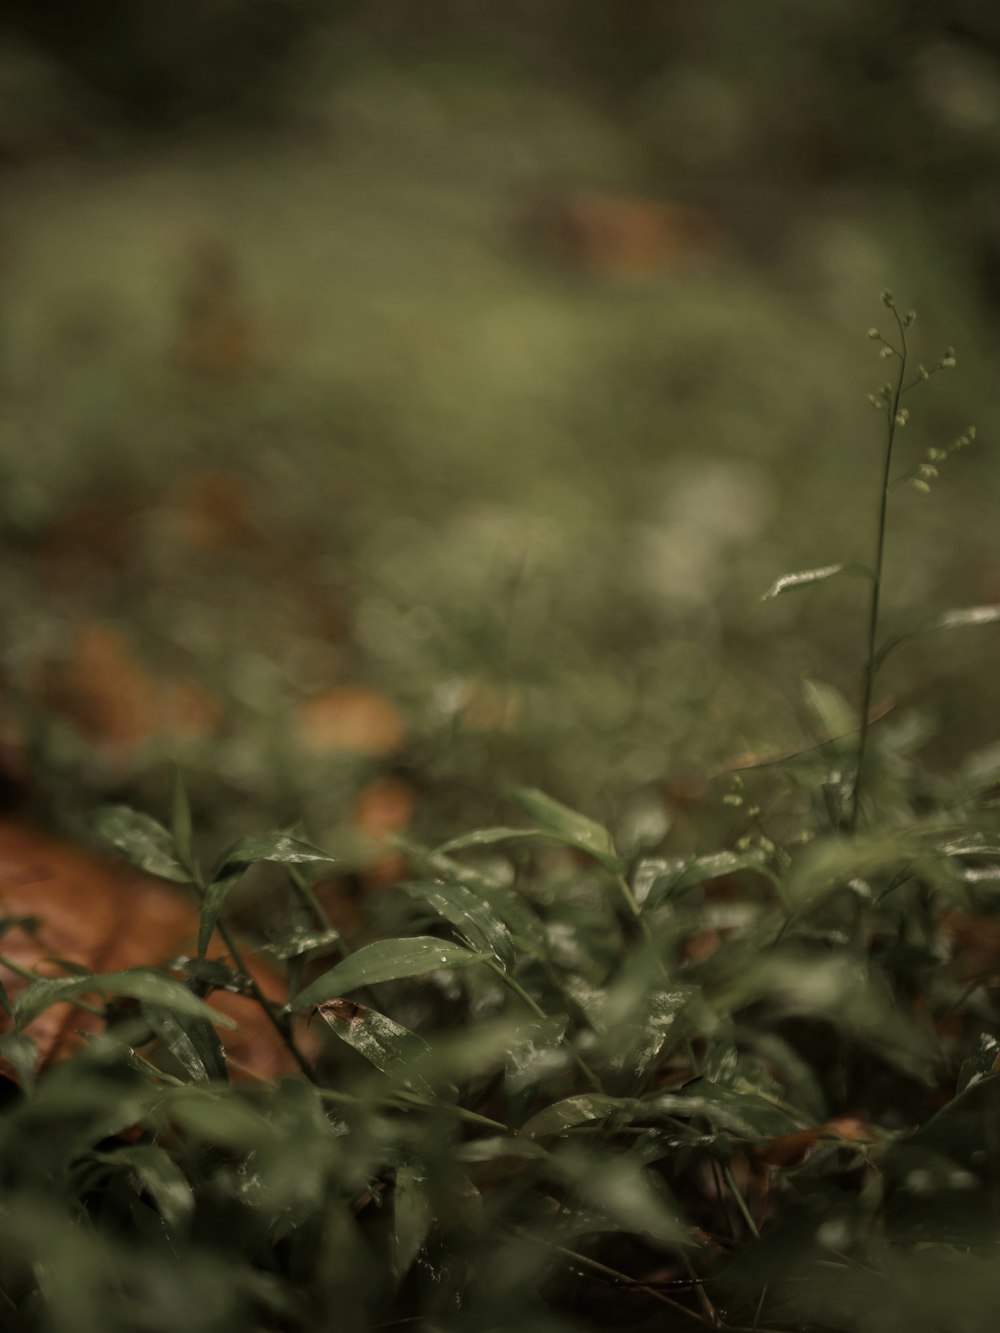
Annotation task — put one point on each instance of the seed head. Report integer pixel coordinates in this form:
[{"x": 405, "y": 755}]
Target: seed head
[{"x": 885, "y": 296}]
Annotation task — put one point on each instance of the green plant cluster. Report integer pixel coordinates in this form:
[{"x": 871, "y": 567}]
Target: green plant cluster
[{"x": 567, "y": 1079}]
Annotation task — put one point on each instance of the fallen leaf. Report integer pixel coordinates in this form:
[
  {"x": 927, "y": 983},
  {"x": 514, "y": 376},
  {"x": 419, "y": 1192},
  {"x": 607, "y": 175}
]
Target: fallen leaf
[
  {"x": 620, "y": 234},
  {"x": 106, "y": 916},
  {"x": 351, "y": 718},
  {"x": 117, "y": 703},
  {"x": 787, "y": 1150},
  {"x": 385, "y": 806}
]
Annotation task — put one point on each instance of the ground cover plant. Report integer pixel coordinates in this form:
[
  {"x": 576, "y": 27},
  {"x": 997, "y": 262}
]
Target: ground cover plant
[{"x": 561, "y": 1076}]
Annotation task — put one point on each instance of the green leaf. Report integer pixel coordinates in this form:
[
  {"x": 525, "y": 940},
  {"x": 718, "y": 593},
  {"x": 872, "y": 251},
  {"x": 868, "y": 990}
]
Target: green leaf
[
  {"x": 220, "y": 1118},
  {"x": 385, "y": 960},
  {"x": 276, "y": 848},
  {"x": 385, "y": 1044},
  {"x": 444, "y": 867},
  {"x": 634, "y": 1043},
  {"x": 412, "y": 1217},
  {"x": 144, "y": 841},
  {"x": 156, "y": 1172},
  {"x": 657, "y": 878},
  {"x": 535, "y": 1053},
  {"x": 469, "y": 913},
  {"x": 572, "y": 1111},
  {"x": 957, "y": 619},
  {"x": 140, "y": 983},
  {"x": 21, "y": 1053},
  {"x": 180, "y": 823},
  {"x": 472, "y": 1050},
  {"x": 745, "y": 1114},
  {"x": 485, "y": 837},
  {"x": 568, "y": 826},
  {"x": 295, "y": 940},
  {"x": 499, "y": 1147},
  {"x": 193, "y": 1042},
  {"x": 519, "y": 917},
  {"x": 981, "y": 1063},
  {"x": 805, "y": 578},
  {"x": 972, "y": 844},
  {"x": 630, "y": 1198},
  {"x": 212, "y": 904},
  {"x": 836, "y": 717},
  {"x": 272, "y": 847}
]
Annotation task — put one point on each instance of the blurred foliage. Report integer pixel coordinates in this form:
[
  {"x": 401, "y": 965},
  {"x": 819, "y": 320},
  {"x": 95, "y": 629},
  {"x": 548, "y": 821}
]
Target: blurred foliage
[{"x": 490, "y": 358}]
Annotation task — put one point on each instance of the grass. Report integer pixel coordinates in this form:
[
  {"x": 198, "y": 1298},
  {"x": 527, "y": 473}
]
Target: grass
[{"x": 740, "y": 1074}]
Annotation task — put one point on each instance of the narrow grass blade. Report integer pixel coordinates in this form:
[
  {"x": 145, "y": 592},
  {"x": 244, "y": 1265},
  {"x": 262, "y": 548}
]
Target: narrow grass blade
[{"x": 569, "y": 826}]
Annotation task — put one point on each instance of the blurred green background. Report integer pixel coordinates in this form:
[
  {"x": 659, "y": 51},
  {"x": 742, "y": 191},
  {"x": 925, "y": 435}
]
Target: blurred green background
[{"x": 403, "y": 400}]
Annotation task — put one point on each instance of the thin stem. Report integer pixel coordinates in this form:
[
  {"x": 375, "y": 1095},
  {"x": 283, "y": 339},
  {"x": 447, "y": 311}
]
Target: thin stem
[
  {"x": 283, "y": 1029},
  {"x": 618, "y": 1277},
  {"x": 741, "y": 1203},
  {"x": 635, "y": 911},
  {"x": 868, "y": 681},
  {"x": 308, "y": 899}
]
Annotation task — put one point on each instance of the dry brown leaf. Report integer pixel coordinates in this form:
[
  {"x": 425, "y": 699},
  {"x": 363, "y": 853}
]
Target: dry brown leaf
[
  {"x": 623, "y": 235},
  {"x": 107, "y": 916},
  {"x": 788, "y": 1150},
  {"x": 385, "y": 806},
  {"x": 117, "y": 703},
  {"x": 975, "y": 938},
  {"x": 352, "y": 718}
]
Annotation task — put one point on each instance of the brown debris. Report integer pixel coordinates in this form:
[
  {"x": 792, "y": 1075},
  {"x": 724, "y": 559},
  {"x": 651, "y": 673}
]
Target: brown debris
[
  {"x": 352, "y": 718},
  {"x": 622, "y": 235},
  {"x": 117, "y": 703},
  {"x": 107, "y": 916},
  {"x": 386, "y": 806}
]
